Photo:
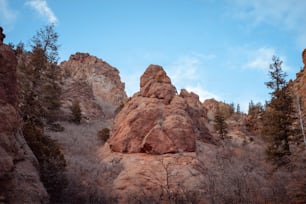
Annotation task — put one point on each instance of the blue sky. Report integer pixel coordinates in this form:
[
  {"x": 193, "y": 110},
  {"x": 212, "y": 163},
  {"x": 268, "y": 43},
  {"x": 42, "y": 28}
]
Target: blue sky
[{"x": 216, "y": 48}]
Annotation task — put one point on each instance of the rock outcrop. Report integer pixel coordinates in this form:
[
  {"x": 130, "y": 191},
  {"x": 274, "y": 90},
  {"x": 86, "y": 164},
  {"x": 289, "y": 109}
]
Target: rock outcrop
[
  {"x": 298, "y": 86},
  {"x": 213, "y": 105},
  {"x": 19, "y": 177},
  {"x": 156, "y": 120},
  {"x": 94, "y": 83}
]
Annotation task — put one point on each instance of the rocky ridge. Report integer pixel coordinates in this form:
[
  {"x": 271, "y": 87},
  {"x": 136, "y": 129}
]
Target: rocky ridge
[
  {"x": 157, "y": 120},
  {"x": 19, "y": 175},
  {"x": 94, "y": 83}
]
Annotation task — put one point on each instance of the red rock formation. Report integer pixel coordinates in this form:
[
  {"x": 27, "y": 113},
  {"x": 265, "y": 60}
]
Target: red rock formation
[
  {"x": 156, "y": 120},
  {"x": 299, "y": 85},
  {"x": 19, "y": 177},
  {"x": 93, "y": 82}
]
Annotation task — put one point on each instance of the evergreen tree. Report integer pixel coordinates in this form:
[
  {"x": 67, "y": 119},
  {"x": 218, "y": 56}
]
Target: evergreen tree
[
  {"x": 44, "y": 45},
  {"x": 231, "y": 108},
  {"x": 220, "y": 124},
  {"x": 46, "y": 39},
  {"x": 238, "y": 109},
  {"x": 39, "y": 102},
  {"x": 277, "y": 119}
]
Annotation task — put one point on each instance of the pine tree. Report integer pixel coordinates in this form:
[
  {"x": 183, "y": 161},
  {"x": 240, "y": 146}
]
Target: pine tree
[
  {"x": 277, "y": 119},
  {"x": 46, "y": 39},
  {"x": 44, "y": 57},
  {"x": 220, "y": 124},
  {"x": 39, "y": 101},
  {"x": 238, "y": 109}
]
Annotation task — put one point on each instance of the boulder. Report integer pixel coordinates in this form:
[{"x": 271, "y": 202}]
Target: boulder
[{"x": 157, "y": 121}]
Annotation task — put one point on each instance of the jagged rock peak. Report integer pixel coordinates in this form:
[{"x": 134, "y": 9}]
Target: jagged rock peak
[
  {"x": 155, "y": 83},
  {"x": 83, "y": 65},
  {"x": 156, "y": 73},
  {"x": 156, "y": 120},
  {"x": 93, "y": 82}
]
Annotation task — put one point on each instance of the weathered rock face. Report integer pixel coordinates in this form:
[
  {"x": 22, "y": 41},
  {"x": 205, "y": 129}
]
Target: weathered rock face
[
  {"x": 156, "y": 120},
  {"x": 299, "y": 84},
  {"x": 94, "y": 83},
  {"x": 213, "y": 105},
  {"x": 152, "y": 175},
  {"x": 19, "y": 177}
]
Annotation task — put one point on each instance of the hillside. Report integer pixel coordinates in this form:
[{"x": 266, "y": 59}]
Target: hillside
[
  {"x": 160, "y": 145},
  {"x": 213, "y": 171}
]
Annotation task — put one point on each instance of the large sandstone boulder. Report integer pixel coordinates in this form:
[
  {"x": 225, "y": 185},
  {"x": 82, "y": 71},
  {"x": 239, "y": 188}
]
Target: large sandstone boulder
[
  {"x": 19, "y": 176},
  {"x": 156, "y": 120},
  {"x": 94, "y": 83}
]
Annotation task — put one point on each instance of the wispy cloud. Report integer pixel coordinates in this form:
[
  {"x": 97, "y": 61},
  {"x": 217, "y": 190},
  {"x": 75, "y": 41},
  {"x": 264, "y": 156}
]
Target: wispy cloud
[
  {"x": 41, "y": 6},
  {"x": 186, "y": 68},
  {"x": 186, "y": 71},
  {"x": 260, "y": 58},
  {"x": 6, "y": 14},
  {"x": 254, "y": 58},
  {"x": 286, "y": 15},
  {"x": 203, "y": 93}
]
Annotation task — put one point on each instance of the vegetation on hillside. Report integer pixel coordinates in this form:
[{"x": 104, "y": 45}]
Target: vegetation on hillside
[
  {"x": 230, "y": 173},
  {"x": 278, "y": 116},
  {"x": 39, "y": 102},
  {"x": 220, "y": 123}
]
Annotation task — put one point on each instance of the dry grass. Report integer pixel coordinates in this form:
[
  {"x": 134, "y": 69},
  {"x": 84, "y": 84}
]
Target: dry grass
[
  {"x": 239, "y": 174},
  {"x": 233, "y": 172},
  {"x": 90, "y": 180}
]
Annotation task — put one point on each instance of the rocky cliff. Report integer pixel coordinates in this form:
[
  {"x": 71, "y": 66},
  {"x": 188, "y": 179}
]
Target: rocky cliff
[
  {"x": 94, "y": 83},
  {"x": 19, "y": 176},
  {"x": 299, "y": 85},
  {"x": 157, "y": 120}
]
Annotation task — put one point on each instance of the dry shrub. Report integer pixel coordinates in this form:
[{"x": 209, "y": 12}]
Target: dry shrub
[
  {"x": 52, "y": 164},
  {"x": 238, "y": 175},
  {"x": 89, "y": 179},
  {"x": 103, "y": 135}
]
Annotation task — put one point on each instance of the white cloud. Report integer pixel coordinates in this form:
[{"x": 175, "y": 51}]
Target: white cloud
[
  {"x": 41, "y": 6},
  {"x": 188, "y": 68},
  {"x": 186, "y": 72},
  {"x": 252, "y": 58},
  {"x": 260, "y": 58},
  {"x": 6, "y": 14},
  {"x": 203, "y": 94},
  {"x": 286, "y": 14},
  {"x": 184, "y": 69}
]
